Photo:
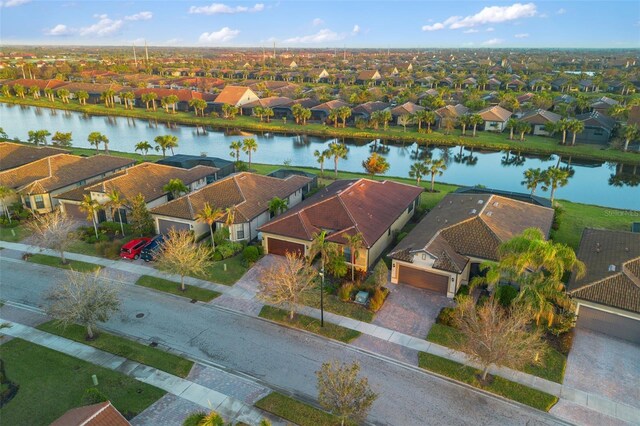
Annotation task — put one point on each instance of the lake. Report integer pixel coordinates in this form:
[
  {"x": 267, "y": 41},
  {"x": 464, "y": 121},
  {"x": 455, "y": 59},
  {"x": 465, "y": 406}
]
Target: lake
[{"x": 606, "y": 184}]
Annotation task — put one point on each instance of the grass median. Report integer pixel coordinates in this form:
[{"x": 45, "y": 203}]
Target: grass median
[
  {"x": 503, "y": 387},
  {"x": 123, "y": 347},
  {"x": 296, "y": 411},
  {"x": 172, "y": 287},
  {"x": 304, "y": 322},
  {"x": 76, "y": 265}
]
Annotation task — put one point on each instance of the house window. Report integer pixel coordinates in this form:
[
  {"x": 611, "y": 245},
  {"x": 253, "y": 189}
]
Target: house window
[
  {"x": 27, "y": 201},
  {"x": 347, "y": 254},
  {"x": 410, "y": 209},
  {"x": 39, "y": 201},
  {"x": 388, "y": 231},
  {"x": 240, "y": 234}
]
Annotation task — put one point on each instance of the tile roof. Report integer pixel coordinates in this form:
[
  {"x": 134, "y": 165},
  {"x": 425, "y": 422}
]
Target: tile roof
[
  {"x": 406, "y": 108},
  {"x": 250, "y": 193},
  {"x": 15, "y": 154},
  {"x": 269, "y": 102},
  {"x": 540, "y": 116},
  {"x": 495, "y": 113},
  {"x": 471, "y": 225},
  {"x": 368, "y": 75},
  {"x": 451, "y": 111},
  {"x": 101, "y": 414},
  {"x": 370, "y": 107},
  {"x": 612, "y": 278},
  {"x": 595, "y": 119},
  {"x": 330, "y": 105},
  {"x": 347, "y": 207},
  {"x": 233, "y": 94},
  {"x": 95, "y": 87},
  {"x": 51, "y": 173},
  {"x": 42, "y": 84}
]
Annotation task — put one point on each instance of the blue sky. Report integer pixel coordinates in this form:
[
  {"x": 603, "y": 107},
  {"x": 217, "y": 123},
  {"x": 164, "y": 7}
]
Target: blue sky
[{"x": 308, "y": 23}]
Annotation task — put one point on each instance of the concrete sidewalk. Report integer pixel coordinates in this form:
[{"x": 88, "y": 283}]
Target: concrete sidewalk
[
  {"x": 591, "y": 401},
  {"x": 209, "y": 399}
]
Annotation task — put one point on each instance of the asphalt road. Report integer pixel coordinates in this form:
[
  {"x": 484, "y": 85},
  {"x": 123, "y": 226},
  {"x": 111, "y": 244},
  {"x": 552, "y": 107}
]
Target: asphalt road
[{"x": 278, "y": 356}]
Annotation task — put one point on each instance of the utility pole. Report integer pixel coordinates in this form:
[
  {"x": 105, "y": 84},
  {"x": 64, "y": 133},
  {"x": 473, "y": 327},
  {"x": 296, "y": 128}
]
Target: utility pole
[
  {"x": 146, "y": 52},
  {"x": 263, "y": 58},
  {"x": 135, "y": 58},
  {"x": 274, "y": 50}
]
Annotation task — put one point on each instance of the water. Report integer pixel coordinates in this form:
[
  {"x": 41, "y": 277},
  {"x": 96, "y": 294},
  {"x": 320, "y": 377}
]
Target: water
[{"x": 591, "y": 183}]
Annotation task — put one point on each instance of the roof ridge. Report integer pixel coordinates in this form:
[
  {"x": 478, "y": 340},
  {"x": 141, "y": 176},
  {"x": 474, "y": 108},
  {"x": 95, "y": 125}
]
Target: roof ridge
[
  {"x": 95, "y": 414},
  {"x": 344, "y": 206},
  {"x": 600, "y": 281}
]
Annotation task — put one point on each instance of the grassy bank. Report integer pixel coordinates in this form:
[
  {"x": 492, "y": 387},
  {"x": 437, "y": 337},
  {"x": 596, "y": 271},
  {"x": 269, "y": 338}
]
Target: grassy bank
[
  {"x": 484, "y": 140},
  {"x": 54, "y": 261},
  {"x": 506, "y": 388},
  {"x": 166, "y": 286},
  {"x": 52, "y": 383},
  {"x": 126, "y": 348},
  {"x": 296, "y": 411}
]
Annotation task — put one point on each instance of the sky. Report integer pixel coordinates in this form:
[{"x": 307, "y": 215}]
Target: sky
[{"x": 316, "y": 24}]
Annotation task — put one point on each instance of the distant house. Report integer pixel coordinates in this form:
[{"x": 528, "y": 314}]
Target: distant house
[
  {"x": 495, "y": 118},
  {"x": 608, "y": 295},
  {"x": 94, "y": 90},
  {"x": 101, "y": 414},
  {"x": 14, "y": 155},
  {"x": 321, "y": 112},
  {"x": 317, "y": 75},
  {"x": 270, "y": 102},
  {"x": 368, "y": 77},
  {"x": 375, "y": 209},
  {"x": 248, "y": 194},
  {"x": 184, "y": 97},
  {"x": 365, "y": 110},
  {"x": 597, "y": 128},
  {"x": 445, "y": 250},
  {"x": 603, "y": 104},
  {"x": 284, "y": 110},
  {"x": 147, "y": 179},
  {"x": 538, "y": 119},
  {"x": 407, "y": 108},
  {"x": 450, "y": 111},
  {"x": 225, "y": 167},
  {"x": 236, "y": 96},
  {"x": 27, "y": 83}
]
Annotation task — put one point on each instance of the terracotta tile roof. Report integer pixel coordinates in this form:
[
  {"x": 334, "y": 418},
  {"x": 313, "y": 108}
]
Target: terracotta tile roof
[
  {"x": 15, "y": 154},
  {"x": 102, "y": 414},
  {"x": 368, "y": 75},
  {"x": 58, "y": 171},
  {"x": 77, "y": 194},
  {"x": 250, "y": 193},
  {"x": 184, "y": 95},
  {"x": 366, "y": 206},
  {"x": 233, "y": 94},
  {"x": 540, "y": 116},
  {"x": 406, "y": 108},
  {"x": 269, "y": 102},
  {"x": 149, "y": 178},
  {"x": 95, "y": 87},
  {"x": 471, "y": 225},
  {"x": 612, "y": 278},
  {"x": 495, "y": 113},
  {"x": 42, "y": 84}
]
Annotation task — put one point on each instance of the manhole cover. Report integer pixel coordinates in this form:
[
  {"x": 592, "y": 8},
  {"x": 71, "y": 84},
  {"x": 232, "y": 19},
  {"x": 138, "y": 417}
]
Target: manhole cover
[{"x": 140, "y": 315}]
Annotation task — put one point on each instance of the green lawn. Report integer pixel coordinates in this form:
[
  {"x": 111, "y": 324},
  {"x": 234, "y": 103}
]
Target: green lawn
[
  {"x": 126, "y": 348},
  {"x": 191, "y": 292},
  {"x": 52, "y": 383},
  {"x": 550, "y": 368},
  {"x": 333, "y": 304},
  {"x": 508, "y": 389},
  {"x": 216, "y": 273},
  {"x": 304, "y": 322},
  {"x": 76, "y": 265},
  {"x": 296, "y": 411},
  {"x": 13, "y": 234}
]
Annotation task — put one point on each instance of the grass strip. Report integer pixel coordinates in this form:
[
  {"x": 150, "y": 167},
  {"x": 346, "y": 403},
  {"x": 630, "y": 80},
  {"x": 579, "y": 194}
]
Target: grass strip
[
  {"x": 76, "y": 265},
  {"x": 172, "y": 287},
  {"x": 296, "y": 411}
]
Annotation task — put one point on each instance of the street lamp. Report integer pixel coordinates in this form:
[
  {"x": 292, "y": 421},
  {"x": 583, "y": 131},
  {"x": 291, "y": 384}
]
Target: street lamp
[{"x": 322, "y": 297}]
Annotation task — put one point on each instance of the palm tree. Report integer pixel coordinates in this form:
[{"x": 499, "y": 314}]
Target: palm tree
[
  {"x": 198, "y": 104},
  {"x": 418, "y": 170},
  {"x": 320, "y": 246},
  {"x": 435, "y": 167},
  {"x": 249, "y": 145},
  {"x": 116, "y": 202},
  {"x": 268, "y": 112},
  {"x": 562, "y": 125},
  {"x": 464, "y": 120},
  {"x": 6, "y": 91},
  {"x": 475, "y": 120},
  {"x": 210, "y": 216},
  {"x": 152, "y": 96},
  {"x": 165, "y": 103},
  {"x": 230, "y": 216},
  {"x": 235, "y": 148},
  {"x": 321, "y": 156},
  {"x": 173, "y": 100},
  {"x": 166, "y": 142},
  {"x": 532, "y": 178},
  {"x": 405, "y": 119},
  {"x": 128, "y": 99},
  {"x": 19, "y": 90},
  {"x": 429, "y": 118},
  {"x": 523, "y": 127},
  {"x": 34, "y": 91},
  {"x": 144, "y": 147},
  {"x": 355, "y": 243},
  {"x": 337, "y": 151},
  {"x": 555, "y": 178},
  {"x": 259, "y": 112},
  {"x": 146, "y": 98},
  {"x": 386, "y": 117},
  {"x": 630, "y": 133},
  {"x": 5, "y": 194},
  {"x": 97, "y": 138},
  {"x": 575, "y": 127},
  {"x": 511, "y": 124},
  {"x": 82, "y": 96},
  {"x": 91, "y": 207},
  {"x": 296, "y": 111},
  {"x": 277, "y": 206},
  {"x": 421, "y": 116},
  {"x": 344, "y": 112},
  {"x": 175, "y": 187},
  {"x": 619, "y": 111},
  {"x": 334, "y": 116},
  {"x": 64, "y": 95}
]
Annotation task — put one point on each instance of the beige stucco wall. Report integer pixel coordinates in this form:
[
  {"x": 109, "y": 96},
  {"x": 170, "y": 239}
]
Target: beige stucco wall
[{"x": 604, "y": 308}]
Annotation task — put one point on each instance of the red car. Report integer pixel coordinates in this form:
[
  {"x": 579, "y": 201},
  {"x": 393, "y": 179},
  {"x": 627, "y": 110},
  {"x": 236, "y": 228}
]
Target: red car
[{"x": 132, "y": 249}]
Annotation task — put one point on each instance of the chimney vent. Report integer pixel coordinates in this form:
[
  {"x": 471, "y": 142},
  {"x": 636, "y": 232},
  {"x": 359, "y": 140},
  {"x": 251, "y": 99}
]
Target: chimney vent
[{"x": 612, "y": 268}]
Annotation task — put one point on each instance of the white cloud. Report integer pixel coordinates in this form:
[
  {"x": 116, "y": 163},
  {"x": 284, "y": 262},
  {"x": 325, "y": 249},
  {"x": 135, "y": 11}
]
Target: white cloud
[
  {"x": 58, "y": 30},
  {"x": 220, "y": 8},
  {"x": 104, "y": 27},
  {"x": 322, "y": 36},
  {"x": 561, "y": 11},
  {"x": 317, "y": 22},
  {"x": 488, "y": 15},
  {"x": 356, "y": 29},
  {"x": 521, "y": 35},
  {"x": 490, "y": 29},
  {"x": 142, "y": 16},
  {"x": 13, "y": 3},
  {"x": 471, "y": 31},
  {"x": 225, "y": 34},
  {"x": 492, "y": 42}
]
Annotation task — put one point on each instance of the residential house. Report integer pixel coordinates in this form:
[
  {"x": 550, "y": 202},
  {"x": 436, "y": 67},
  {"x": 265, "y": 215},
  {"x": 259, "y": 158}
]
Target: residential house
[
  {"x": 270, "y": 102},
  {"x": 234, "y": 95},
  {"x": 247, "y": 194},
  {"x": 284, "y": 110},
  {"x": 597, "y": 128},
  {"x": 603, "y": 105},
  {"x": 445, "y": 250},
  {"x": 368, "y": 77},
  {"x": 538, "y": 119},
  {"x": 40, "y": 181},
  {"x": 147, "y": 179},
  {"x": 184, "y": 97},
  {"x": 321, "y": 112},
  {"x": 365, "y": 110},
  {"x": 14, "y": 155},
  {"x": 225, "y": 167},
  {"x": 495, "y": 118},
  {"x": 94, "y": 90},
  {"x": 407, "y": 108},
  {"x": 608, "y": 295},
  {"x": 27, "y": 83},
  {"x": 450, "y": 111},
  {"x": 317, "y": 75},
  {"x": 100, "y": 414},
  {"x": 376, "y": 209}
]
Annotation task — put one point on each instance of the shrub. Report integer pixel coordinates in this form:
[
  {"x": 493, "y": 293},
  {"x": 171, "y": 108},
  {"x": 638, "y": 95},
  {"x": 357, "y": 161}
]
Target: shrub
[
  {"x": 565, "y": 342},
  {"x": 260, "y": 250},
  {"x": 109, "y": 249},
  {"x": 345, "y": 290},
  {"x": 463, "y": 292},
  {"x": 557, "y": 217},
  {"x": 194, "y": 419},
  {"x": 380, "y": 274},
  {"x": 221, "y": 236},
  {"x": 446, "y": 316},
  {"x": 401, "y": 236},
  {"x": 250, "y": 254},
  {"x": 229, "y": 249},
  {"x": 217, "y": 256},
  {"x": 113, "y": 228},
  {"x": 377, "y": 300},
  {"x": 505, "y": 295},
  {"x": 92, "y": 396}
]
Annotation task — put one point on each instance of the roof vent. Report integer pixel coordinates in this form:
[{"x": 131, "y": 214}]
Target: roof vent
[
  {"x": 612, "y": 268},
  {"x": 496, "y": 204},
  {"x": 489, "y": 213},
  {"x": 473, "y": 211},
  {"x": 480, "y": 201}
]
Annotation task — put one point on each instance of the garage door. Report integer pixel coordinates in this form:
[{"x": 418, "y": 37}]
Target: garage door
[
  {"x": 165, "y": 225},
  {"x": 280, "y": 247},
  {"x": 609, "y": 324},
  {"x": 423, "y": 279},
  {"x": 73, "y": 210}
]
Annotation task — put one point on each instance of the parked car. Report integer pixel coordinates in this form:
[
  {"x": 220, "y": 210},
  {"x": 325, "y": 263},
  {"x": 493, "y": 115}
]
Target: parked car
[
  {"x": 132, "y": 249},
  {"x": 150, "y": 251}
]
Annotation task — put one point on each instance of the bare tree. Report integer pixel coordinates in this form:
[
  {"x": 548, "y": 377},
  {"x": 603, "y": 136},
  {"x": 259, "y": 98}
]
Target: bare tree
[
  {"x": 491, "y": 335},
  {"x": 286, "y": 281},
  {"x": 53, "y": 231},
  {"x": 181, "y": 255},
  {"x": 343, "y": 393},
  {"x": 84, "y": 299}
]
